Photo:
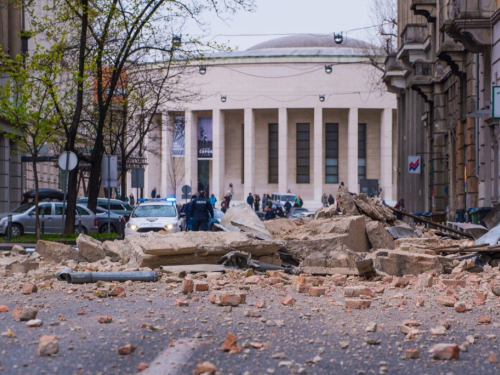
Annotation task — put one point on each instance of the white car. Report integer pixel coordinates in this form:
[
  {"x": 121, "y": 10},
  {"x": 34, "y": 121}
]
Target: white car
[{"x": 154, "y": 215}]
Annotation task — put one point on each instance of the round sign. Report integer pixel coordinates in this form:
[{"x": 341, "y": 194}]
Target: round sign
[
  {"x": 68, "y": 161},
  {"x": 186, "y": 189}
]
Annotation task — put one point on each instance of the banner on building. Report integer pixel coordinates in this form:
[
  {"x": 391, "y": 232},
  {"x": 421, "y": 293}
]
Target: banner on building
[
  {"x": 205, "y": 151},
  {"x": 179, "y": 137},
  {"x": 414, "y": 164}
]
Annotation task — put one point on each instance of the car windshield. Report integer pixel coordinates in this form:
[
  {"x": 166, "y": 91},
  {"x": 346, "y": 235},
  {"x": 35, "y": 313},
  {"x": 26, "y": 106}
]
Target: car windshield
[
  {"x": 291, "y": 198},
  {"x": 127, "y": 207},
  {"x": 154, "y": 210},
  {"x": 23, "y": 208}
]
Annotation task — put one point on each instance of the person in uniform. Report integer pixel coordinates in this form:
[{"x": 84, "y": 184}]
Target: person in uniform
[{"x": 201, "y": 210}]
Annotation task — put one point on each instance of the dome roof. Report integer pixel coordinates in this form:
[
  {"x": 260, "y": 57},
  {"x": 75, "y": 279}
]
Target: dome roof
[
  {"x": 302, "y": 45},
  {"x": 308, "y": 41}
]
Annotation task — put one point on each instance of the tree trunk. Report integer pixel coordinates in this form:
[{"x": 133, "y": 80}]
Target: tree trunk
[
  {"x": 72, "y": 193},
  {"x": 69, "y": 226},
  {"x": 94, "y": 186},
  {"x": 37, "y": 209}
]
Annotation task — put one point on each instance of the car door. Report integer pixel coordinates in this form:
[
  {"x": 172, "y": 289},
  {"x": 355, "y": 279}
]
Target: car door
[
  {"x": 29, "y": 222},
  {"x": 47, "y": 218}
]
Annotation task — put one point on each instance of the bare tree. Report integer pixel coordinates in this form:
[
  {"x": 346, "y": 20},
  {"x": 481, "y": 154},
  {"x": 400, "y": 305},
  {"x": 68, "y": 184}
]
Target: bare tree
[
  {"x": 176, "y": 172},
  {"x": 382, "y": 39}
]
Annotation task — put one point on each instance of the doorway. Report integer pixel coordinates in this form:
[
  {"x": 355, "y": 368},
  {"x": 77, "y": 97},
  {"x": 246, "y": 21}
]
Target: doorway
[{"x": 204, "y": 175}]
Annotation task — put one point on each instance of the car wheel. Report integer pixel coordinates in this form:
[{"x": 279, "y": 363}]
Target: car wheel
[
  {"x": 80, "y": 229},
  {"x": 104, "y": 229},
  {"x": 17, "y": 230}
]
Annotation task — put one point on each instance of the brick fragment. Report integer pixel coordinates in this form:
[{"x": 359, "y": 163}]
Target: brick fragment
[
  {"x": 446, "y": 351},
  {"x": 187, "y": 286},
  {"x": 357, "y": 291},
  {"x": 412, "y": 354},
  {"x": 400, "y": 282},
  {"x": 201, "y": 287},
  {"x": 424, "y": 280},
  {"x": 288, "y": 301},
  {"x": 105, "y": 319},
  {"x": 484, "y": 319},
  {"x": 48, "y": 346},
  {"x": 448, "y": 301}
]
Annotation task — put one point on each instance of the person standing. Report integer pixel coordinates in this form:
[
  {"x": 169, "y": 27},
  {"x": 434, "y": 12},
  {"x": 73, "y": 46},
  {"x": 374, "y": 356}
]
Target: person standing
[
  {"x": 223, "y": 205},
  {"x": 401, "y": 207},
  {"x": 213, "y": 200},
  {"x": 257, "y": 202},
  {"x": 153, "y": 193},
  {"x": 230, "y": 192},
  {"x": 324, "y": 200},
  {"x": 250, "y": 199},
  {"x": 299, "y": 201},
  {"x": 201, "y": 210},
  {"x": 132, "y": 199},
  {"x": 207, "y": 190},
  {"x": 200, "y": 187},
  {"x": 264, "y": 201},
  {"x": 288, "y": 207},
  {"x": 331, "y": 200}
]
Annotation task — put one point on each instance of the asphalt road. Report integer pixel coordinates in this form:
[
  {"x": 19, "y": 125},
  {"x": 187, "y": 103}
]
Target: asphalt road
[{"x": 305, "y": 338}]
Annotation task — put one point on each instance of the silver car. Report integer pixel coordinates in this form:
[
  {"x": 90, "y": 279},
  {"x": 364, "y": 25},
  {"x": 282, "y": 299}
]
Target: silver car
[{"x": 24, "y": 219}]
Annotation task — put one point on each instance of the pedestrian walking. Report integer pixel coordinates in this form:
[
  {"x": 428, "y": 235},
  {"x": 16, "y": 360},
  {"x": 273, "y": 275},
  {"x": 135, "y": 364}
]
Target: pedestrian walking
[
  {"x": 250, "y": 199},
  {"x": 331, "y": 200},
  {"x": 153, "y": 193},
  {"x": 324, "y": 200},
  {"x": 201, "y": 210},
  {"x": 264, "y": 201},
  {"x": 132, "y": 199},
  {"x": 230, "y": 192},
  {"x": 257, "y": 202},
  {"x": 401, "y": 207},
  {"x": 213, "y": 200}
]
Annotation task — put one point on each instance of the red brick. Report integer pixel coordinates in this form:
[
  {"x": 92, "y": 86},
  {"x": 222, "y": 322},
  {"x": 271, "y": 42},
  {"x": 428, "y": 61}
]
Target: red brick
[
  {"x": 484, "y": 319},
  {"x": 201, "y": 287},
  {"x": 317, "y": 291},
  {"x": 187, "y": 286},
  {"x": 252, "y": 279},
  {"x": 357, "y": 303},
  {"x": 105, "y": 319},
  {"x": 453, "y": 282},
  {"x": 357, "y": 291},
  {"x": 4, "y": 308},
  {"x": 412, "y": 354},
  {"x": 448, "y": 301},
  {"x": 339, "y": 279}
]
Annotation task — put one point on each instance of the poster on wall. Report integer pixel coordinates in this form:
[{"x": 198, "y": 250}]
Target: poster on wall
[
  {"x": 179, "y": 137},
  {"x": 204, "y": 139}
]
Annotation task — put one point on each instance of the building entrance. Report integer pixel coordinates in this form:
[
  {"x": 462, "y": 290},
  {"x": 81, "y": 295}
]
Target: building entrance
[{"x": 203, "y": 174}]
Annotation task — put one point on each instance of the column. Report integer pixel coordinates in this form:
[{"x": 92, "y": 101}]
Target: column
[
  {"x": 249, "y": 152},
  {"x": 352, "y": 151},
  {"x": 318, "y": 154},
  {"x": 283, "y": 149},
  {"x": 191, "y": 150},
  {"x": 166, "y": 156},
  {"x": 218, "y": 166},
  {"x": 386, "y": 154}
]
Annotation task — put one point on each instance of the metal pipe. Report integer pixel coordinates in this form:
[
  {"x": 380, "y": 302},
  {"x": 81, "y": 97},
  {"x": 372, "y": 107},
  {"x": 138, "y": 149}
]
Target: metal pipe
[
  {"x": 420, "y": 218},
  {"x": 61, "y": 275},
  {"x": 92, "y": 277}
]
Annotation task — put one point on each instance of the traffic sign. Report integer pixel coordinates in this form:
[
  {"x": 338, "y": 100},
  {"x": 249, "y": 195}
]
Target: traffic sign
[{"x": 67, "y": 161}]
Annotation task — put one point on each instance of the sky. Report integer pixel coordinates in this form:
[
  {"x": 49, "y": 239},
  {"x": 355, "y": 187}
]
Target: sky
[{"x": 288, "y": 17}]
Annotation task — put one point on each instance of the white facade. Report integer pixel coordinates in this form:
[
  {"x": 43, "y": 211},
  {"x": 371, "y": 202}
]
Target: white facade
[{"x": 280, "y": 82}]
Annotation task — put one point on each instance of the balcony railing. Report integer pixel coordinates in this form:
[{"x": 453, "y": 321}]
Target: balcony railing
[
  {"x": 414, "y": 33},
  {"x": 471, "y": 9},
  {"x": 424, "y": 69}
]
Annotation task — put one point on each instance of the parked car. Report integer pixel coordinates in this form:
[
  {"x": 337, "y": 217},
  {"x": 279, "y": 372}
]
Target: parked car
[
  {"x": 153, "y": 216},
  {"x": 218, "y": 215},
  {"x": 43, "y": 194},
  {"x": 279, "y": 199},
  {"x": 117, "y": 206},
  {"x": 115, "y": 221},
  {"x": 299, "y": 211},
  {"x": 24, "y": 219}
]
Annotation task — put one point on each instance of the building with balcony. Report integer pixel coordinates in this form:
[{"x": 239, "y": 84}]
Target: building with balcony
[
  {"x": 443, "y": 74},
  {"x": 291, "y": 114}
]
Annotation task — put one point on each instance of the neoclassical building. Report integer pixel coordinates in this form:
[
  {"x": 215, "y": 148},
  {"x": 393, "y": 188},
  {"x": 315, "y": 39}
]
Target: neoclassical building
[{"x": 297, "y": 113}]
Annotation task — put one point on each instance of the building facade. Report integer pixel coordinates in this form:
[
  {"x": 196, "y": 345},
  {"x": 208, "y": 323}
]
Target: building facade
[
  {"x": 291, "y": 114},
  {"x": 443, "y": 75},
  {"x": 10, "y": 159}
]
